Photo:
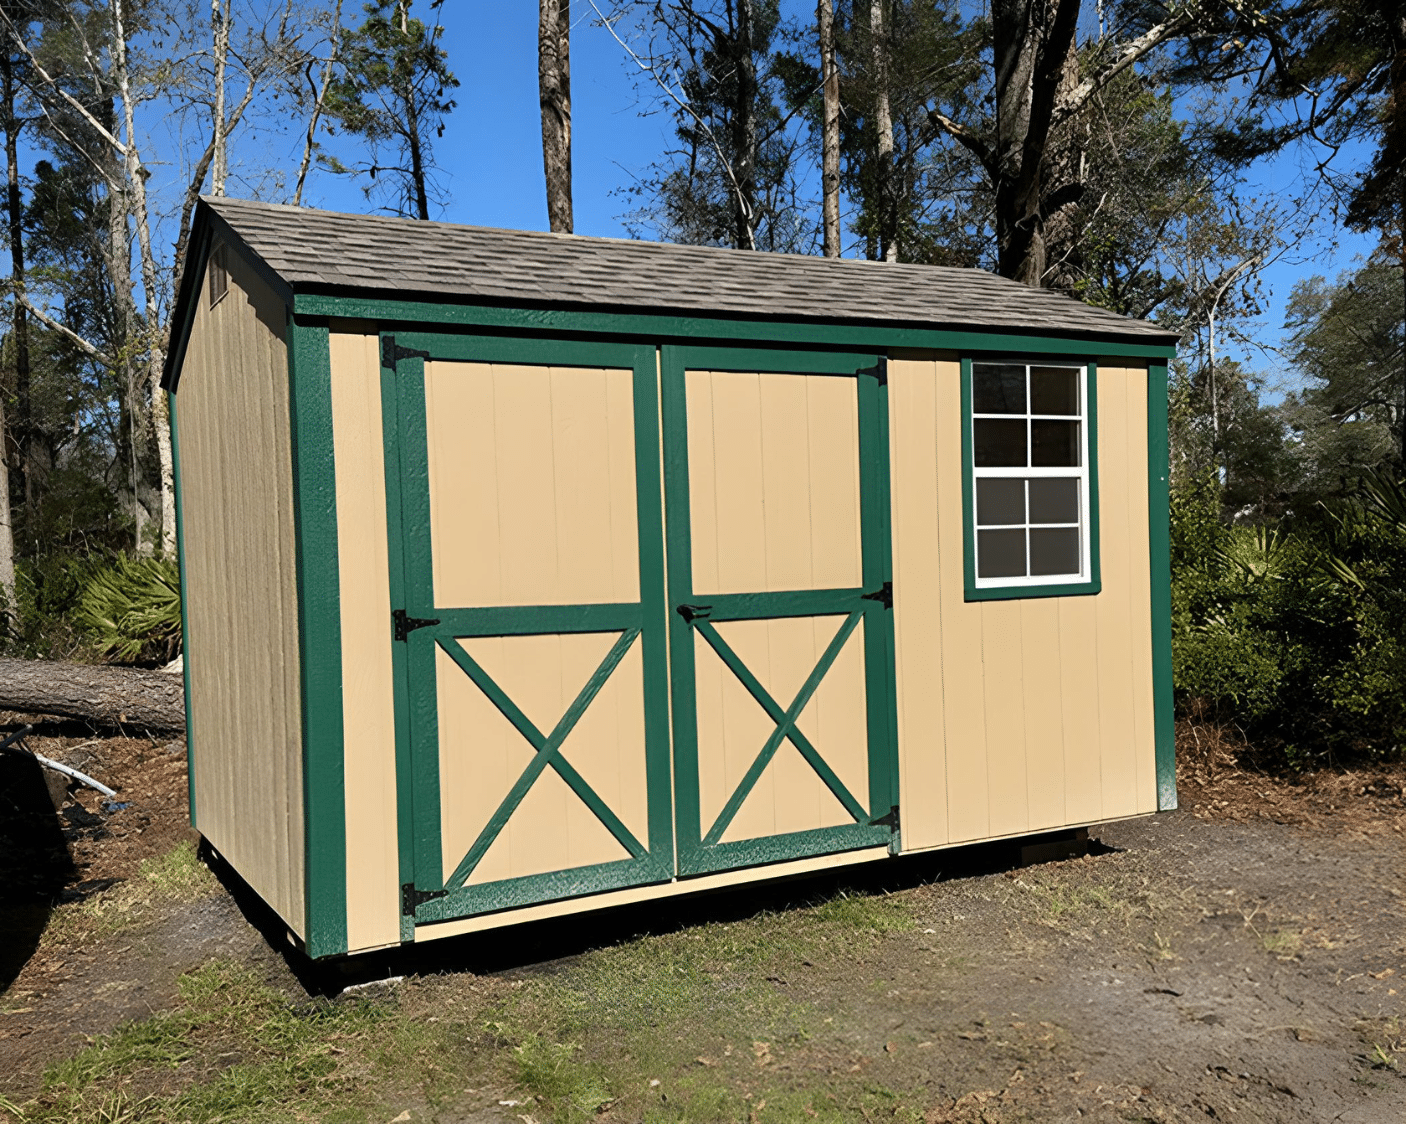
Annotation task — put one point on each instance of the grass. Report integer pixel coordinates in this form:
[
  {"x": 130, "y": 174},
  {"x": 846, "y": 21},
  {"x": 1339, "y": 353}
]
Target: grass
[
  {"x": 695, "y": 1025},
  {"x": 175, "y": 877}
]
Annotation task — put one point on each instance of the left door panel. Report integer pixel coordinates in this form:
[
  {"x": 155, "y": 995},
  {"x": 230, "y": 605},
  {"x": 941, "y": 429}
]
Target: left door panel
[{"x": 530, "y": 620}]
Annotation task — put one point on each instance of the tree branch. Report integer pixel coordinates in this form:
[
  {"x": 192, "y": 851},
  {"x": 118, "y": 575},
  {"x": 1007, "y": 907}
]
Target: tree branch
[{"x": 68, "y": 333}]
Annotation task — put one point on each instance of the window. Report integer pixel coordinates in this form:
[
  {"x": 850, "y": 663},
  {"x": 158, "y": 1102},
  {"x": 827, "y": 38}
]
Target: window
[
  {"x": 219, "y": 275},
  {"x": 1031, "y": 492}
]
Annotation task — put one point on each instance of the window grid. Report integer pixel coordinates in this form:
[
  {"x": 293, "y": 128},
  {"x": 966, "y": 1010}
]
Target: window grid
[{"x": 1031, "y": 472}]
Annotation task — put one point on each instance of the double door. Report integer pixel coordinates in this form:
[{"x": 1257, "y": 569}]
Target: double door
[{"x": 642, "y": 620}]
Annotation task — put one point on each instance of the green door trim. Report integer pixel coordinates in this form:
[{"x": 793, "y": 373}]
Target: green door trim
[
  {"x": 699, "y": 850},
  {"x": 431, "y": 896}
]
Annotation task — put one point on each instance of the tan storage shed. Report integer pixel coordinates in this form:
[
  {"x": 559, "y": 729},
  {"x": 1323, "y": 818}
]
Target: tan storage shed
[{"x": 527, "y": 574}]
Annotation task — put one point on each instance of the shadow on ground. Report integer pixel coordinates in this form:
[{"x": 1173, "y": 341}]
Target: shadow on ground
[
  {"x": 540, "y": 942},
  {"x": 36, "y": 866}
]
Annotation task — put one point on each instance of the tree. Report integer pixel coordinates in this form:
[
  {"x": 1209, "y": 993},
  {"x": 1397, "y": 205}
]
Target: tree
[
  {"x": 829, "y": 127},
  {"x": 393, "y": 89},
  {"x": 554, "y": 92},
  {"x": 738, "y": 105},
  {"x": 1346, "y": 341}
]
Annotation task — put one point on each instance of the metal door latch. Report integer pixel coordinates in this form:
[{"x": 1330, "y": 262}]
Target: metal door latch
[
  {"x": 403, "y": 626},
  {"x": 692, "y": 613}
]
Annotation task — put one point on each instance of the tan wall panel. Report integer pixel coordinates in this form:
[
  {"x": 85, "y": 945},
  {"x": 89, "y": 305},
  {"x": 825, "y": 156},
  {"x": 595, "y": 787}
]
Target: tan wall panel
[
  {"x": 1044, "y": 706},
  {"x": 1113, "y": 607},
  {"x": 773, "y": 481},
  {"x": 242, "y": 652},
  {"x": 789, "y": 795},
  {"x": 368, "y": 683},
  {"x": 917, "y": 569},
  {"x": 532, "y": 484},
  {"x": 1041, "y": 675},
  {"x": 482, "y": 755}
]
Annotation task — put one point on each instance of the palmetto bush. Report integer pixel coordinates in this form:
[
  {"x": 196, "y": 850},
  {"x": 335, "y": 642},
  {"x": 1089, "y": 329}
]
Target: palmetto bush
[{"x": 132, "y": 609}]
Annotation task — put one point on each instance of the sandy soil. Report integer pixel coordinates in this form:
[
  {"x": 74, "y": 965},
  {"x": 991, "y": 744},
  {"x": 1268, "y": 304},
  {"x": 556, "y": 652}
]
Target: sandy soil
[{"x": 1242, "y": 958}]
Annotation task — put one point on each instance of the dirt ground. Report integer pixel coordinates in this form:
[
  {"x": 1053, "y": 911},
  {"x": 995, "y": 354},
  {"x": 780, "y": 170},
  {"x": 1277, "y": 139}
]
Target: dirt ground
[{"x": 1243, "y": 958}]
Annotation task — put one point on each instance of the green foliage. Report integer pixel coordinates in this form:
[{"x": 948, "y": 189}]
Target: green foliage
[
  {"x": 133, "y": 609},
  {"x": 1295, "y": 632}
]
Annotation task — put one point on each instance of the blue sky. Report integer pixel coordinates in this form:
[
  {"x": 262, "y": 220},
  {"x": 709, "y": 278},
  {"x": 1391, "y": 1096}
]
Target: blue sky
[{"x": 491, "y": 164}]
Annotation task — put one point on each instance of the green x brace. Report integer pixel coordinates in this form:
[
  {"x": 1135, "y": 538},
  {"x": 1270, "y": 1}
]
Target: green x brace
[
  {"x": 785, "y": 724},
  {"x": 548, "y": 749}
]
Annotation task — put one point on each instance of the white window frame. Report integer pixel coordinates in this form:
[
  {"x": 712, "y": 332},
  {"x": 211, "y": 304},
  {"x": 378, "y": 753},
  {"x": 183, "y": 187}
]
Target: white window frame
[{"x": 1082, "y": 474}]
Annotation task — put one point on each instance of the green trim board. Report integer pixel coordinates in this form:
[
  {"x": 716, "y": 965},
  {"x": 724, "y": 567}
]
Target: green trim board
[
  {"x": 185, "y": 622},
  {"x": 1017, "y": 592},
  {"x": 663, "y": 327},
  {"x": 319, "y": 638},
  {"x": 1160, "y": 569},
  {"x": 698, "y": 848},
  {"x": 442, "y": 895}
]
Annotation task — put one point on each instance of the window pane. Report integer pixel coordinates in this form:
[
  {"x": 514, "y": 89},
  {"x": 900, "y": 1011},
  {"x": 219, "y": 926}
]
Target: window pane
[
  {"x": 1054, "y": 390},
  {"x": 1053, "y": 444},
  {"x": 1054, "y": 550},
  {"x": 1000, "y": 443},
  {"x": 1000, "y": 554},
  {"x": 1000, "y": 501},
  {"x": 1053, "y": 501},
  {"x": 998, "y": 388}
]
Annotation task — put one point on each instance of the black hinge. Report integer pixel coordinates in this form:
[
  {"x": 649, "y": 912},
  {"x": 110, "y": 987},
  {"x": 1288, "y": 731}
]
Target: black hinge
[
  {"x": 883, "y": 595},
  {"x": 889, "y": 820},
  {"x": 412, "y": 899},
  {"x": 694, "y": 612},
  {"x": 403, "y": 626},
  {"x": 879, "y": 370},
  {"x": 392, "y": 353}
]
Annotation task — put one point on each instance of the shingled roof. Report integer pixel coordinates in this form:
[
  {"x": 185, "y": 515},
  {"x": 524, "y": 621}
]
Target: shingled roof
[{"x": 326, "y": 251}]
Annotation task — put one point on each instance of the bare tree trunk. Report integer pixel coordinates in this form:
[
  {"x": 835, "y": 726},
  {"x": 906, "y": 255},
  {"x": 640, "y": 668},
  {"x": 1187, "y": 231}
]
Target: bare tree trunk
[
  {"x": 23, "y": 427},
  {"x": 830, "y": 127},
  {"x": 744, "y": 130},
  {"x": 554, "y": 92},
  {"x": 108, "y": 696},
  {"x": 136, "y": 175},
  {"x": 412, "y": 125},
  {"x": 320, "y": 96},
  {"x": 883, "y": 124},
  {"x": 220, "y": 20},
  {"x": 8, "y": 614}
]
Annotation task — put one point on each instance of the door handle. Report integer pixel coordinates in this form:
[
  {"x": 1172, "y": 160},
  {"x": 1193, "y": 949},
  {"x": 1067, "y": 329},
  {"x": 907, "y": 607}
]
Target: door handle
[{"x": 692, "y": 613}]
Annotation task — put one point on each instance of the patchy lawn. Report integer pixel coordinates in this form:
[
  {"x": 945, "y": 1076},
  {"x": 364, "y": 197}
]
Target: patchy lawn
[{"x": 1240, "y": 959}]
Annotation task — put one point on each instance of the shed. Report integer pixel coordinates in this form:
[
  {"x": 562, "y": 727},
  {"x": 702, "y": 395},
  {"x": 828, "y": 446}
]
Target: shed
[{"x": 527, "y": 574}]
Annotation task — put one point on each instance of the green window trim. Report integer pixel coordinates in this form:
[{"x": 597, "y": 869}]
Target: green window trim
[{"x": 972, "y": 591}]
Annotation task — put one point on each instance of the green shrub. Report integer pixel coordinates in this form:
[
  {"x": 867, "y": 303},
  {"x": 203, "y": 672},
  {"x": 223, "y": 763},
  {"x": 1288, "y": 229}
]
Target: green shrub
[
  {"x": 1294, "y": 632},
  {"x": 132, "y": 607}
]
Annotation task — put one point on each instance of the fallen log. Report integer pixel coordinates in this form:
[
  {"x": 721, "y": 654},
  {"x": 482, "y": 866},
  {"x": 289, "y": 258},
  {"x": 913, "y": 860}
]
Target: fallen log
[{"x": 126, "y": 698}]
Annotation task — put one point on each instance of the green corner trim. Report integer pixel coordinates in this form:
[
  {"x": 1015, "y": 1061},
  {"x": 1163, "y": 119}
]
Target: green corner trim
[
  {"x": 319, "y": 638},
  {"x": 1160, "y": 551},
  {"x": 185, "y": 620},
  {"x": 1021, "y": 592},
  {"x": 665, "y": 327}
]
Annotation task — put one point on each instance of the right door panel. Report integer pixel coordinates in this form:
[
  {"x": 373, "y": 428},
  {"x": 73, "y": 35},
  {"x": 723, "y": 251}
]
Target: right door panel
[{"x": 781, "y": 635}]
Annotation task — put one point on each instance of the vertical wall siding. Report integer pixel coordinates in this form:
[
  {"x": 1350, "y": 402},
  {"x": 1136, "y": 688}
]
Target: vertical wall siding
[
  {"x": 1017, "y": 715},
  {"x": 241, "y": 588},
  {"x": 368, "y": 692}
]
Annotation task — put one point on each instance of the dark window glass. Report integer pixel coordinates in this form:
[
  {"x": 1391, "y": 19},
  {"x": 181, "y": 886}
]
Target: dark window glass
[
  {"x": 1054, "y": 550},
  {"x": 219, "y": 276},
  {"x": 998, "y": 389},
  {"x": 1054, "y": 390},
  {"x": 1000, "y": 443},
  {"x": 1000, "y": 501},
  {"x": 1054, "y": 444},
  {"x": 1000, "y": 554},
  {"x": 1054, "y": 501}
]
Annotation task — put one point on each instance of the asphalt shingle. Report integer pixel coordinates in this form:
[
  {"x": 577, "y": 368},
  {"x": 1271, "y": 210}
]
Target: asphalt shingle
[{"x": 325, "y": 250}]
